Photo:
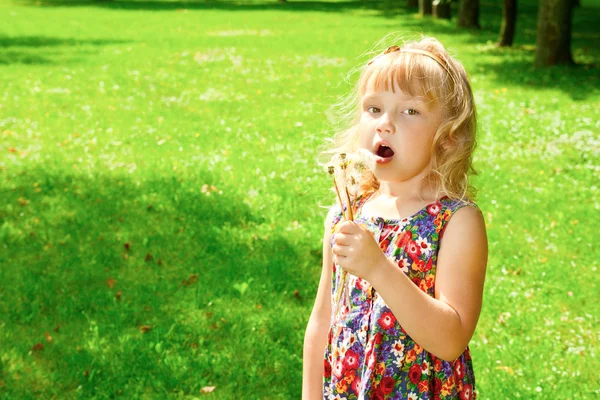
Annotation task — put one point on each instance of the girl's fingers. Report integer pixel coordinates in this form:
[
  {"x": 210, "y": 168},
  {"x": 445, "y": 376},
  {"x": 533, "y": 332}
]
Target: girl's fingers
[
  {"x": 348, "y": 227},
  {"x": 341, "y": 239},
  {"x": 339, "y": 250},
  {"x": 337, "y": 259}
]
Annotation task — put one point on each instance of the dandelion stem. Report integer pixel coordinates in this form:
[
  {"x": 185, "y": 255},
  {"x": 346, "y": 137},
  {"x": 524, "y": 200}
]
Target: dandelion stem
[
  {"x": 350, "y": 212},
  {"x": 332, "y": 173}
]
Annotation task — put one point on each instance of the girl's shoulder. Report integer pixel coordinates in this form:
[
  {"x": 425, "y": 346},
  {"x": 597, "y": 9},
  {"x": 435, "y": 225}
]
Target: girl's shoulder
[
  {"x": 470, "y": 216},
  {"x": 453, "y": 205}
]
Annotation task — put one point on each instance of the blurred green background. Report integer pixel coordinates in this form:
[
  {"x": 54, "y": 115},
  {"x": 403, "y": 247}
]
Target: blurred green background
[{"x": 162, "y": 209}]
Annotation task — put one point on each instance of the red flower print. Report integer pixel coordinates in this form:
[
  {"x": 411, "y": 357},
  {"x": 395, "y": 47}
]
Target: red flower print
[
  {"x": 459, "y": 370},
  {"x": 423, "y": 244},
  {"x": 350, "y": 360},
  {"x": 428, "y": 266},
  {"x": 437, "y": 365},
  {"x": 356, "y": 385},
  {"x": 450, "y": 381},
  {"x": 416, "y": 280},
  {"x": 377, "y": 394},
  {"x": 423, "y": 386},
  {"x": 327, "y": 368},
  {"x": 370, "y": 356},
  {"x": 404, "y": 239},
  {"x": 429, "y": 279},
  {"x": 434, "y": 209},
  {"x": 338, "y": 369},
  {"x": 387, "y": 320},
  {"x": 415, "y": 374},
  {"x": 403, "y": 264},
  {"x": 341, "y": 386},
  {"x": 362, "y": 284},
  {"x": 437, "y": 386},
  {"x": 413, "y": 249},
  {"x": 378, "y": 338},
  {"x": 467, "y": 392},
  {"x": 387, "y": 385},
  {"x": 425, "y": 367},
  {"x": 418, "y": 265}
]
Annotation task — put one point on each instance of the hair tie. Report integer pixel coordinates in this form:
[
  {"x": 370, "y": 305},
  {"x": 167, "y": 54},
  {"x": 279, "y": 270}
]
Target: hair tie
[{"x": 435, "y": 58}]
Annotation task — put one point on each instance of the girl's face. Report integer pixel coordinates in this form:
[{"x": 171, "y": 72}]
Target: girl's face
[{"x": 399, "y": 130}]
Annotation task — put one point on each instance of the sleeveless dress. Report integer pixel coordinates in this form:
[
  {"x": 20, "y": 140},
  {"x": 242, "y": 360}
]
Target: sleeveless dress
[{"x": 368, "y": 354}]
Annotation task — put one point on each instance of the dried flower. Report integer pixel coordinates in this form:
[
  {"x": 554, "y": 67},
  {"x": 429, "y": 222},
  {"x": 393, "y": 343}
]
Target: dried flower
[{"x": 351, "y": 167}]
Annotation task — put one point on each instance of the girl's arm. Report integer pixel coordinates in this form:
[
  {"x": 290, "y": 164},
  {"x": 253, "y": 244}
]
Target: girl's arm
[
  {"x": 445, "y": 324},
  {"x": 315, "y": 337}
]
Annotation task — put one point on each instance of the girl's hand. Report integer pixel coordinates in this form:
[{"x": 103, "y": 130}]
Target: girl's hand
[{"x": 356, "y": 250}]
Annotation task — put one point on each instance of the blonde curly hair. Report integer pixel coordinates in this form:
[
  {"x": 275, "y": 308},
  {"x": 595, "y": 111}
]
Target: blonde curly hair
[{"x": 419, "y": 68}]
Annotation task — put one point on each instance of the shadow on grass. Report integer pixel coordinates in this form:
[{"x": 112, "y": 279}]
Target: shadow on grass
[
  {"x": 387, "y": 6},
  {"x": 98, "y": 257},
  {"x": 43, "y": 49},
  {"x": 514, "y": 65},
  {"x": 580, "y": 82}
]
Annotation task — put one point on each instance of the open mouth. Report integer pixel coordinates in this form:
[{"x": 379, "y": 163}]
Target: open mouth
[{"x": 384, "y": 151}]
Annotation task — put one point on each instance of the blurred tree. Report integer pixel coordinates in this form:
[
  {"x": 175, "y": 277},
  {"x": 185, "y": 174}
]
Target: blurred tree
[
  {"x": 468, "y": 14},
  {"x": 441, "y": 9},
  {"x": 553, "y": 45},
  {"x": 425, "y": 7},
  {"x": 412, "y": 3},
  {"x": 509, "y": 19}
]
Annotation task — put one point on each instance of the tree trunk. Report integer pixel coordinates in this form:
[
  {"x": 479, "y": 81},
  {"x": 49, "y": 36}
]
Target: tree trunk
[
  {"x": 509, "y": 19},
  {"x": 441, "y": 9},
  {"x": 468, "y": 14},
  {"x": 413, "y": 3},
  {"x": 553, "y": 44},
  {"x": 425, "y": 7}
]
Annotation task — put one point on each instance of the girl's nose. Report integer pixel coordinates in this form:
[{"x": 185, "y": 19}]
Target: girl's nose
[{"x": 385, "y": 125}]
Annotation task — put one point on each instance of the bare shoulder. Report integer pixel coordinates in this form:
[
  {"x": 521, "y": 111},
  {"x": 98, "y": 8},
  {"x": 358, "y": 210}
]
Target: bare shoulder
[{"x": 466, "y": 225}]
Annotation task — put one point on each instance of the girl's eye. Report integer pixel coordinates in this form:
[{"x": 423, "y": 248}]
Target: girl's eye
[
  {"x": 411, "y": 111},
  {"x": 373, "y": 110}
]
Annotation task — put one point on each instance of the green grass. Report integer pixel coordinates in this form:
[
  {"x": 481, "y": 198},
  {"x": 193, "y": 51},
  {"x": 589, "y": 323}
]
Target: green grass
[{"x": 115, "y": 115}]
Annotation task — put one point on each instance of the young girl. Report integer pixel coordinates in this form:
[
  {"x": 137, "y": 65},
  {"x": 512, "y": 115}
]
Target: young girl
[{"x": 414, "y": 299}]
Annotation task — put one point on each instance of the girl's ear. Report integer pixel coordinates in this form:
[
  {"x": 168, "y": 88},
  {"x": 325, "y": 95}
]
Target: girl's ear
[{"x": 447, "y": 144}]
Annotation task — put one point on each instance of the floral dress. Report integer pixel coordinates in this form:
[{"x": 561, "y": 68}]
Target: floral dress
[{"x": 368, "y": 354}]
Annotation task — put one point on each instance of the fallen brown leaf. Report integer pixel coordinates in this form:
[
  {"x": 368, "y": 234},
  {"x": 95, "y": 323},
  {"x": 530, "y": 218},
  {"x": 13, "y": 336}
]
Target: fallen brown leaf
[
  {"x": 111, "y": 282},
  {"x": 192, "y": 279},
  {"x": 37, "y": 347}
]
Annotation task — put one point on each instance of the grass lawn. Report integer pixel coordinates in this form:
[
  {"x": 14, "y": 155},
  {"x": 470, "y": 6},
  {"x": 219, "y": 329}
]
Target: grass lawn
[{"x": 162, "y": 210}]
